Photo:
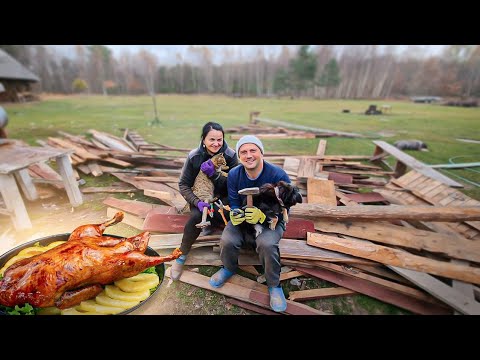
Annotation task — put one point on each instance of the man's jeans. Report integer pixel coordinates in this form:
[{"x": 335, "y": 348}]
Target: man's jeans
[{"x": 266, "y": 245}]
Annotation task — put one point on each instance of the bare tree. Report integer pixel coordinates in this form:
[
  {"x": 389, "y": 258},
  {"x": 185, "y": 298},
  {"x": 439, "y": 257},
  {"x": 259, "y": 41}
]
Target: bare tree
[{"x": 148, "y": 67}]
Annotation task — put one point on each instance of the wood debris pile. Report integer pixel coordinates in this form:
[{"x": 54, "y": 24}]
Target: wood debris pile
[{"x": 407, "y": 238}]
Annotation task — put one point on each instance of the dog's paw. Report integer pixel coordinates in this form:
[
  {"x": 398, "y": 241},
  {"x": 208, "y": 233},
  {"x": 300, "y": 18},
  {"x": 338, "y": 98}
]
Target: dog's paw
[
  {"x": 258, "y": 229},
  {"x": 273, "y": 223}
]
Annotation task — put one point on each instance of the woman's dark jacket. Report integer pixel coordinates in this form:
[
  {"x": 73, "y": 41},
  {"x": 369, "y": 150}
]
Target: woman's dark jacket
[{"x": 191, "y": 168}]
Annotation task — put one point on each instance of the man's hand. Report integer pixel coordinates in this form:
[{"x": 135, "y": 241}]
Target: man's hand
[
  {"x": 202, "y": 204},
  {"x": 208, "y": 168},
  {"x": 237, "y": 216},
  {"x": 254, "y": 215}
]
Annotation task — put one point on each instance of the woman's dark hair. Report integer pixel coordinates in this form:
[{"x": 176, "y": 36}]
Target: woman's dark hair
[{"x": 211, "y": 126}]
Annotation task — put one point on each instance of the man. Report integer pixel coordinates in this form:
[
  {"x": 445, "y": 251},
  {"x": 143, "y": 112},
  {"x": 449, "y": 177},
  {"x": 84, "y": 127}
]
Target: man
[{"x": 252, "y": 172}]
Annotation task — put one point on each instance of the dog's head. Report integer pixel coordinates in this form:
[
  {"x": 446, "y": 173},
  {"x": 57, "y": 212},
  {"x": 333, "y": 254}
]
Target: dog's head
[{"x": 287, "y": 195}]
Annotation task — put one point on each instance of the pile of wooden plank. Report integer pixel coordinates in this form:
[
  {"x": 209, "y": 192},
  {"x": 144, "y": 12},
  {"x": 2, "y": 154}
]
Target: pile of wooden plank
[{"x": 405, "y": 238}]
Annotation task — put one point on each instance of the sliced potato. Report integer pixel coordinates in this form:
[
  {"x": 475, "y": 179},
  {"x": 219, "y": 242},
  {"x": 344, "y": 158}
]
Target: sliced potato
[
  {"x": 74, "y": 311},
  {"x": 92, "y": 306},
  {"x": 143, "y": 277},
  {"x": 136, "y": 283},
  {"x": 116, "y": 293},
  {"x": 104, "y": 299},
  {"x": 13, "y": 260},
  {"x": 31, "y": 251},
  {"x": 53, "y": 244}
]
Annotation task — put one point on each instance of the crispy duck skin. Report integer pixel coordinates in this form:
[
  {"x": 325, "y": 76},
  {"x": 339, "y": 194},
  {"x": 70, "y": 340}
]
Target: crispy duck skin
[{"x": 74, "y": 271}]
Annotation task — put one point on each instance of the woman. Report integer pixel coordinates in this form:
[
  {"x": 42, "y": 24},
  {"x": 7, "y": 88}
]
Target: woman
[{"x": 212, "y": 142}]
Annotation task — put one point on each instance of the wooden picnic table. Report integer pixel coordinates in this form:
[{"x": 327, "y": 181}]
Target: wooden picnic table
[{"x": 15, "y": 158}]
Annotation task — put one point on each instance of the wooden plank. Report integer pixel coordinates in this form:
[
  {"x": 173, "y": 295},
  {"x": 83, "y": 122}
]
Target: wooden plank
[
  {"x": 69, "y": 181},
  {"x": 244, "y": 294},
  {"x": 138, "y": 208},
  {"x": 297, "y": 228},
  {"x": 95, "y": 169},
  {"x": 299, "y": 249},
  {"x": 26, "y": 184},
  {"x": 115, "y": 189},
  {"x": 322, "y": 146},
  {"x": 395, "y": 257},
  {"x": 442, "y": 195},
  {"x": 306, "y": 168},
  {"x": 376, "y": 212},
  {"x": 378, "y": 292},
  {"x": 251, "y": 307},
  {"x": 172, "y": 241},
  {"x": 366, "y": 197},
  {"x": 457, "y": 247},
  {"x": 15, "y": 157},
  {"x": 323, "y": 293},
  {"x": 157, "y": 220},
  {"x": 113, "y": 142},
  {"x": 321, "y": 192},
  {"x": 440, "y": 290},
  {"x": 403, "y": 289},
  {"x": 14, "y": 202},
  {"x": 46, "y": 172},
  {"x": 415, "y": 164},
  {"x": 339, "y": 178}
]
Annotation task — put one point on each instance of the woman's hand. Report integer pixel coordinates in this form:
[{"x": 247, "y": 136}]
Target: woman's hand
[
  {"x": 208, "y": 168},
  {"x": 202, "y": 204}
]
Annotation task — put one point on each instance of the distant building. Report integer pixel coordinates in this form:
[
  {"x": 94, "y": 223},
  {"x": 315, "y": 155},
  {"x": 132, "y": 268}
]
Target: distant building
[{"x": 15, "y": 79}]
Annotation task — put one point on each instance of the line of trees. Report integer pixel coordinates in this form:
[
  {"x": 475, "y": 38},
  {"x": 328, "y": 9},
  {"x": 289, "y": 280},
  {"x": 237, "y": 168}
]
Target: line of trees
[{"x": 322, "y": 71}]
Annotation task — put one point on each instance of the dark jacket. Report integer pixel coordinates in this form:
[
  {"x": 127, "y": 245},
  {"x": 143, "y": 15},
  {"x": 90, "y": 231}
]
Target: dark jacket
[{"x": 191, "y": 168}]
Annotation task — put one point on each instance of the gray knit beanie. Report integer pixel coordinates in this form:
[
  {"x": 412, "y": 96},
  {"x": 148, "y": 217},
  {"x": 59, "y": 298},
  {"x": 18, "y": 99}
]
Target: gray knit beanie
[{"x": 249, "y": 139}]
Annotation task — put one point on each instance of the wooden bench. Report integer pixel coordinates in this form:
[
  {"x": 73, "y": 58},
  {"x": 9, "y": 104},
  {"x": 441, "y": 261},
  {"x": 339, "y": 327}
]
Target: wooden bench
[
  {"x": 15, "y": 160},
  {"x": 404, "y": 160}
]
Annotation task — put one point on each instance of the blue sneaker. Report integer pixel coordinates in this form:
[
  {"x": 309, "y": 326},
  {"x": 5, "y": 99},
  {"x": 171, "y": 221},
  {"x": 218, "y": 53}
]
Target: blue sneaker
[
  {"x": 177, "y": 267},
  {"x": 220, "y": 277},
  {"x": 278, "y": 302}
]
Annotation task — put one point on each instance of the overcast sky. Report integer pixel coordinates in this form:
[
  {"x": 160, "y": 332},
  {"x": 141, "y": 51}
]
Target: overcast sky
[{"x": 167, "y": 54}]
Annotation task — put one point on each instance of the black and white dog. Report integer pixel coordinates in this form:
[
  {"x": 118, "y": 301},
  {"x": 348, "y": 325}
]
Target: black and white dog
[{"x": 273, "y": 200}]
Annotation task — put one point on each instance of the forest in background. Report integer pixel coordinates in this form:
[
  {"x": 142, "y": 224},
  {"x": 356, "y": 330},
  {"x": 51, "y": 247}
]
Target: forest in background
[{"x": 320, "y": 71}]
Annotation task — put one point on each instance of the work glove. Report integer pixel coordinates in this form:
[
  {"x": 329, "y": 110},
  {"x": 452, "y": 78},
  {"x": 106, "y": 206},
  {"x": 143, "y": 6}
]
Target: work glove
[
  {"x": 208, "y": 168},
  {"x": 202, "y": 204},
  {"x": 254, "y": 215},
  {"x": 237, "y": 216}
]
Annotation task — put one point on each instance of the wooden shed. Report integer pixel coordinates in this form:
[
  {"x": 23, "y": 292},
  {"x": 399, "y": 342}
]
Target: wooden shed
[{"x": 15, "y": 80}]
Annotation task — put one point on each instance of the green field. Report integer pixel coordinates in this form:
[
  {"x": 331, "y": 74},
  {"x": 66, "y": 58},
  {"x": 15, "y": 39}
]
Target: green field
[{"x": 182, "y": 117}]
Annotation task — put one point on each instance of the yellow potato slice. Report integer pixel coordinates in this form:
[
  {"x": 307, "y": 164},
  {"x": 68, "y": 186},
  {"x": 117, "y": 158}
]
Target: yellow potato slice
[
  {"x": 29, "y": 252},
  {"x": 143, "y": 277},
  {"x": 138, "y": 283},
  {"x": 53, "y": 244},
  {"x": 12, "y": 261},
  {"x": 92, "y": 306},
  {"x": 74, "y": 311},
  {"x": 104, "y": 299},
  {"x": 115, "y": 292}
]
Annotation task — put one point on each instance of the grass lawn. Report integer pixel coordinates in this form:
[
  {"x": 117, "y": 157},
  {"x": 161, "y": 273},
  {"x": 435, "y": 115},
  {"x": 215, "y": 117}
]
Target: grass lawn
[{"x": 182, "y": 118}]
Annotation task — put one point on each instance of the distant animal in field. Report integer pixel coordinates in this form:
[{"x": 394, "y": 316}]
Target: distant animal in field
[
  {"x": 273, "y": 200},
  {"x": 411, "y": 145}
]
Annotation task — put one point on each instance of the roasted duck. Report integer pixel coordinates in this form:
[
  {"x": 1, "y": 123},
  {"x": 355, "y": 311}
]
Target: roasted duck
[{"x": 76, "y": 270}]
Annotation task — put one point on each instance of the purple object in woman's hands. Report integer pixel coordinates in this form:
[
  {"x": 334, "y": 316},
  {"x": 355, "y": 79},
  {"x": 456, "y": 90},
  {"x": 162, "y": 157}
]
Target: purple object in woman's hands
[
  {"x": 202, "y": 204},
  {"x": 208, "y": 168}
]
